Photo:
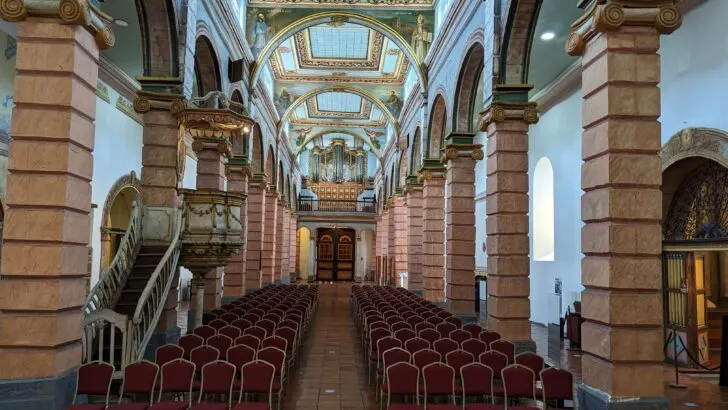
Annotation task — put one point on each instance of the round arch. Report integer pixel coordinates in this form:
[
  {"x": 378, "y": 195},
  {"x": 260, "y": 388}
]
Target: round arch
[
  {"x": 237, "y": 97},
  {"x": 709, "y": 143},
  {"x": 438, "y": 119},
  {"x": 402, "y": 174},
  {"x": 257, "y": 157},
  {"x": 160, "y": 51},
  {"x": 341, "y": 89},
  {"x": 416, "y": 156},
  {"x": 466, "y": 95},
  {"x": 338, "y": 16},
  {"x": 515, "y": 51},
  {"x": 311, "y": 137},
  {"x": 280, "y": 179},
  {"x": 116, "y": 213},
  {"x": 270, "y": 165},
  {"x": 207, "y": 66}
]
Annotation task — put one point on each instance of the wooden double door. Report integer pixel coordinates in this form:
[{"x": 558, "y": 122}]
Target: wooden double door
[{"x": 335, "y": 254}]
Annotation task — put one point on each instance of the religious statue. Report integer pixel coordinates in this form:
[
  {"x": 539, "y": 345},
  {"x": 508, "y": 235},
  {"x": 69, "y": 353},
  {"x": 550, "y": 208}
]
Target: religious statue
[
  {"x": 284, "y": 100},
  {"x": 302, "y": 132},
  {"x": 393, "y": 103},
  {"x": 421, "y": 39},
  {"x": 260, "y": 35}
]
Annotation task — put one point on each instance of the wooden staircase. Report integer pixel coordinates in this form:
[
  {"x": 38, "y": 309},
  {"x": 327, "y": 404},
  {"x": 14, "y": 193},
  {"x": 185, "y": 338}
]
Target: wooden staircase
[{"x": 147, "y": 260}]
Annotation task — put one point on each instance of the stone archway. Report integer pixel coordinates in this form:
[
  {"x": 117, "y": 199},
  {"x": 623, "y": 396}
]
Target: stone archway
[
  {"x": 160, "y": 39},
  {"x": 416, "y": 155},
  {"x": 517, "y": 39},
  {"x": 257, "y": 159},
  {"x": 467, "y": 86},
  {"x": 438, "y": 119},
  {"x": 270, "y": 166},
  {"x": 115, "y": 214},
  {"x": 207, "y": 66},
  {"x": 710, "y": 143}
]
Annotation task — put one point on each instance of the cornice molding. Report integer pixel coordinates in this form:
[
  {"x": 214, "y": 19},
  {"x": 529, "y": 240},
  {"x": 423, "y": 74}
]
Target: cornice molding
[
  {"x": 568, "y": 82},
  {"x": 114, "y": 77}
]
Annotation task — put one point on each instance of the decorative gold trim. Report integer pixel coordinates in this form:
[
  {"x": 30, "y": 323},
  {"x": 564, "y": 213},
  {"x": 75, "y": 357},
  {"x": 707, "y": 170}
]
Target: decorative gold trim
[
  {"x": 610, "y": 15},
  {"x": 78, "y": 12},
  {"x": 311, "y": 137},
  {"x": 507, "y": 111},
  {"x": 364, "y": 4},
  {"x": 102, "y": 91},
  {"x": 364, "y": 113},
  {"x": 306, "y": 60},
  {"x": 127, "y": 107}
]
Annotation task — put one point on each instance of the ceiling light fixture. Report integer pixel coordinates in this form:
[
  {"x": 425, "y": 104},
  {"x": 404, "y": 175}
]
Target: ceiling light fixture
[
  {"x": 549, "y": 35},
  {"x": 121, "y": 23}
]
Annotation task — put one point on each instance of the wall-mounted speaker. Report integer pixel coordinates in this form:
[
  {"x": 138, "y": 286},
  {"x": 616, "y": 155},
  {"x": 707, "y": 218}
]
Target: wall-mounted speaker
[{"x": 235, "y": 70}]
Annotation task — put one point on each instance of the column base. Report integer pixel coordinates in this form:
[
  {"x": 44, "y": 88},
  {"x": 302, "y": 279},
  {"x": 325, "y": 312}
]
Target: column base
[
  {"x": 592, "y": 399},
  {"x": 250, "y": 290},
  {"x": 285, "y": 280},
  {"x": 169, "y": 336},
  {"x": 228, "y": 299},
  {"x": 523, "y": 346},
  {"x": 420, "y": 293},
  {"x": 265, "y": 284},
  {"x": 39, "y": 394},
  {"x": 468, "y": 318},
  {"x": 277, "y": 282},
  {"x": 190, "y": 320}
]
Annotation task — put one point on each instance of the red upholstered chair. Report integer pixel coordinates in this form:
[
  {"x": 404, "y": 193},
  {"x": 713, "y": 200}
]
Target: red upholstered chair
[
  {"x": 374, "y": 337},
  {"x": 424, "y": 325},
  {"x": 208, "y": 317},
  {"x": 205, "y": 332},
  {"x": 403, "y": 379},
  {"x": 435, "y": 320},
  {"x": 474, "y": 329},
  {"x": 139, "y": 378},
  {"x": 396, "y": 327},
  {"x": 519, "y": 382},
  {"x": 459, "y": 358},
  {"x": 189, "y": 342},
  {"x": 558, "y": 384},
  {"x": 248, "y": 340},
  {"x": 240, "y": 355},
  {"x": 177, "y": 378},
  {"x": 203, "y": 355},
  {"x": 496, "y": 361},
  {"x": 218, "y": 324},
  {"x": 445, "y": 328},
  {"x": 416, "y": 344},
  {"x": 474, "y": 346},
  {"x": 414, "y": 320},
  {"x": 477, "y": 381},
  {"x": 220, "y": 342},
  {"x": 403, "y": 335},
  {"x": 242, "y": 324},
  {"x": 251, "y": 317},
  {"x": 256, "y": 331},
  {"x": 445, "y": 346},
  {"x": 455, "y": 321},
  {"x": 257, "y": 379},
  {"x": 229, "y": 317},
  {"x": 431, "y": 335},
  {"x": 231, "y": 331},
  {"x": 275, "y": 341},
  {"x": 425, "y": 357},
  {"x": 167, "y": 353},
  {"x": 277, "y": 358},
  {"x": 217, "y": 379},
  {"x": 93, "y": 379},
  {"x": 489, "y": 337},
  {"x": 268, "y": 325},
  {"x": 459, "y": 335},
  {"x": 439, "y": 380},
  {"x": 505, "y": 347},
  {"x": 390, "y": 357}
]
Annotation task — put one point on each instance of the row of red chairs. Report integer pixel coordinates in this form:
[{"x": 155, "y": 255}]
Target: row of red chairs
[
  {"x": 202, "y": 361},
  {"x": 456, "y": 347}
]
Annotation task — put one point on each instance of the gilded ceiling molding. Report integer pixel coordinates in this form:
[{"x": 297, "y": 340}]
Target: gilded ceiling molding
[
  {"x": 344, "y": 89},
  {"x": 336, "y": 123},
  {"x": 337, "y": 16},
  {"x": 307, "y": 60},
  {"x": 395, "y": 4},
  {"x": 610, "y": 15},
  {"x": 78, "y": 12},
  {"x": 356, "y": 136},
  {"x": 364, "y": 113}
]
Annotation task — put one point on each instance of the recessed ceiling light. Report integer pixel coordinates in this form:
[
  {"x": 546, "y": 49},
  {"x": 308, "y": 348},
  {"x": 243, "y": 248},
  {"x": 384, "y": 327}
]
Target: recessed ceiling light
[
  {"x": 120, "y": 22},
  {"x": 549, "y": 35}
]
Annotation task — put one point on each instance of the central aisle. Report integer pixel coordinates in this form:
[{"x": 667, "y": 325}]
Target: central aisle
[{"x": 331, "y": 374}]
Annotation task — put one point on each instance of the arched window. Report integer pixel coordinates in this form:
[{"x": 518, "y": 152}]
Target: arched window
[{"x": 543, "y": 211}]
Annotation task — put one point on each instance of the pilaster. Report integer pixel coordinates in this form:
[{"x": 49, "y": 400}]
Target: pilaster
[
  {"x": 414, "y": 236},
  {"x": 238, "y": 173},
  {"x": 269, "y": 237},
  {"x": 399, "y": 208},
  {"x": 293, "y": 248},
  {"x": 433, "y": 230},
  {"x": 281, "y": 250},
  {"x": 256, "y": 206}
]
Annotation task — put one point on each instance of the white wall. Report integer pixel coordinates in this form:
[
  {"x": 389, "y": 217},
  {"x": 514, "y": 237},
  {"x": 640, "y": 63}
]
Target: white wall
[
  {"x": 117, "y": 151},
  {"x": 364, "y": 252}
]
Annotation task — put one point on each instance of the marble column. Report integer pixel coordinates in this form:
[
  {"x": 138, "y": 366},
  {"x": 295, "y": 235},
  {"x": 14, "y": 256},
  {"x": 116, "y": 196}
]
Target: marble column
[
  {"x": 256, "y": 230},
  {"x": 414, "y": 236},
  {"x": 46, "y": 231},
  {"x": 433, "y": 231},
  {"x": 393, "y": 278},
  {"x": 622, "y": 336},
  {"x": 461, "y": 155},
  {"x": 378, "y": 249},
  {"x": 293, "y": 248},
  {"x": 269, "y": 236},
  {"x": 507, "y": 244},
  {"x": 384, "y": 280},
  {"x": 399, "y": 214},
  {"x": 238, "y": 173},
  {"x": 281, "y": 225}
]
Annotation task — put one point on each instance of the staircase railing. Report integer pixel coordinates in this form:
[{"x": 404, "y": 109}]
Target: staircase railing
[
  {"x": 107, "y": 290},
  {"x": 153, "y": 298}
]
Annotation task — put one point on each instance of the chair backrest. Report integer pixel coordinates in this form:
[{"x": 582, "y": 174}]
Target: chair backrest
[
  {"x": 558, "y": 384},
  {"x": 473, "y": 328},
  {"x": 425, "y": 325},
  {"x": 431, "y": 335},
  {"x": 242, "y": 324},
  {"x": 377, "y": 334},
  {"x": 221, "y": 343},
  {"x": 203, "y": 355},
  {"x": 177, "y": 377},
  {"x": 459, "y": 335},
  {"x": 474, "y": 346},
  {"x": 248, "y": 340},
  {"x": 229, "y": 317},
  {"x": 258, "y": 377},
  {"x": 505, "y": 347},
  {"x": 445, "y": 346},
  {"x": 455, "y": 321},
  {"x": 230, "y": 331},
  {"x": 218, "y": 324},
  {"x": 495, "y": 360},
  {"x": 189, "y": 342},
  {"x": 290, "y": 323},
  {"x": 251, "y": 317},
  {"x": 205, "y": 332},
  {"x": 416, "y": 344},
  {"x": 402, "y": 379},
  {"x": 167, "y": 353},
  {"x": 459, "y": 358},
  {"x": 256, "y": 331},
  {"x": 477, "y": 380},
  {"x": 399, "y": 326},
  {"x": 218, "y": 378},
  {"x": 395, "y": 355},
  {"x": 532, "y": 361},
  {"x": 276, "y": 341},
  {"x": 439, "y": 379},
  {"x": 403, "y": 335},
  {"x": 268, "y": 325},
  {"x": 274, "y": 356},
  {"x": 414, "y": 320},
  {"x": 445, "y": 328},
  {"x": 287, "y": 333},
  {"x": 489, "y": 337},
  {"x": 444, "y": 314},
  {"x": 385, "y": 344},
  {"x": 239, "y": 355},
  {"x": 94, "y": 379},
  {"x": 139, "y": 378},
  {"x": 425, "y": 357},
  {"x": 519, "y": 382},
  {"x": 208, "y": 317},
  {"x": 435, "y": 320}
]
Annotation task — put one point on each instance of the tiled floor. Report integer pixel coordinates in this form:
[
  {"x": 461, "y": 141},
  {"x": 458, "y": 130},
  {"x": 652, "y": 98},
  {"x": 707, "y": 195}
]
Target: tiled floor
[{"x": 331, "y": 374}]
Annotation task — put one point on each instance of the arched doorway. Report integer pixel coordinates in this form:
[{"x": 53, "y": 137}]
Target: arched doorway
[
  {"x": 336, "y": 253},
  {"x": 116, "y": 215},
  {"x": 695, "y": 243}
]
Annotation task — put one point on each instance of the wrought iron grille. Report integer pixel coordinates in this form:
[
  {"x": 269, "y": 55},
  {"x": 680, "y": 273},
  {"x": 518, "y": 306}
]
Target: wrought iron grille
[{"x": 699, "y": 209}]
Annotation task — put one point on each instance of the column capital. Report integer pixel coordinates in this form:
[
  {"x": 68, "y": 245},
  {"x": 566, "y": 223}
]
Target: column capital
[
  {"x": 460, "y": 145},
  {"x": 78, "y": 12},
  {"x": 500, "y": 111},
  {"x": 412, "y": 183},
  {"x": 157, "y": 100},
  {"x": 610, "y": 15},
  {"x": 236, "y": 167}
]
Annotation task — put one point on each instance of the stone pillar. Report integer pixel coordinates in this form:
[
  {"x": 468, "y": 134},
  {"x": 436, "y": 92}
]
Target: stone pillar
[
  {"x": 622, "y": 203},
  {"x": 200, "y": 285},
  {"x": 45, "y": 249},
  {"x": 256, "y": 227},
  {"x": 378, "y": 250},
  {"x": 461, "y": 155},
  {"x": 414, "y": 236},
  {"x": 269, "y": 237},
  {"x": 433, "y": 231},
  {"x": 238, "y": 173},
  {"x": 293, "y": 248},
  {"x": 507, "y": 244},
  {"x": 385, "y": 247},
  {"x": 399, "y": 214},
  {"x": 392, "y": 244},
  {"x": 281, "y": 223}
]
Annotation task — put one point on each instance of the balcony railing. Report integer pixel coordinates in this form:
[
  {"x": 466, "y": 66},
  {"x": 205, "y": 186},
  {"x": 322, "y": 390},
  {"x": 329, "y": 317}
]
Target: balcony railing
[{"x": 335, "y": 205}]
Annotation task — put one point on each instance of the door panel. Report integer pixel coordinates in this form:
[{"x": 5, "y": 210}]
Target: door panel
[{"x": 336, "y": 252}]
